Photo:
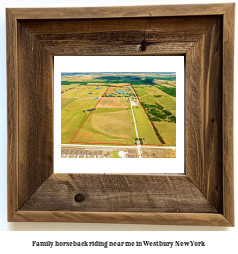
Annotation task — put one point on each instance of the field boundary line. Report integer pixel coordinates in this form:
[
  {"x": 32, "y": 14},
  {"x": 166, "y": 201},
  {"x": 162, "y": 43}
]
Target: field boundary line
[
  {"x": 87, "y": 116},
  {"x": 157, "y": 134},
  {"x": 92, "y": 111}
]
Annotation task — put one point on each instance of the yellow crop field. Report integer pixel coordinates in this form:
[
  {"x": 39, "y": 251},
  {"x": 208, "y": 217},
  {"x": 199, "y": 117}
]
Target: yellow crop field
[
  {"x": 168, "y": 132},
  {"x": 67, "y": 87},
  {"x": 85, "y": 91},
  {"x": 115, "y": 124},
  {"x": 106, "y": 127},
  {"x": 81, "y": 104},
  {"x": 111, "y": 102}
]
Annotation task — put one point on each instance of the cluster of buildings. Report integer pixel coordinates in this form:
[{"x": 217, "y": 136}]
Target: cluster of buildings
[{"x": 95, "y": 153}]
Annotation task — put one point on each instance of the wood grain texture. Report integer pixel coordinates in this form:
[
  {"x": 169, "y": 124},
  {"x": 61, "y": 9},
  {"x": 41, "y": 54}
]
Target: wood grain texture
[
  {"x": 204, "y": 115},
  {"x": 119, "y": 36},
  {"x": 35, "y": 114},
  {"x": 12, "y": 115},
  {"x": 227, "y": 113},
  {"x": 199, "y": 219},
  {"x": 179, "y": 25},
  {"x": 74, "y": 48},
  {"x": 134, "y": 193},
  {"x": 122, "y": 11}
]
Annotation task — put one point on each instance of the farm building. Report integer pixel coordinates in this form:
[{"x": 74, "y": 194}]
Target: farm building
[
  {"x": 99, "y": 153},
  {"x": 106, "y": 155},
  {"x": 121, "y": 92}
]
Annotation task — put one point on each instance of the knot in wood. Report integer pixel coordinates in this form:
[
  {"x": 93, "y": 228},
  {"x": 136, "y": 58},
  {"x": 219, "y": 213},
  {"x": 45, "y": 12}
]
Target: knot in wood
[
  {"x": 79, "y": 198},
  {"x": 143, "y": 45}
]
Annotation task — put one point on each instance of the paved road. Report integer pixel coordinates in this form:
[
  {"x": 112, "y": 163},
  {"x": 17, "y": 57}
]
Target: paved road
[{"x": 138, "y": 141}]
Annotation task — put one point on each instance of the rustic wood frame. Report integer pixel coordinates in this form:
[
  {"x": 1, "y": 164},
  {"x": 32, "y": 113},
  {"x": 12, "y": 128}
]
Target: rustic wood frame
[{"x": 204, "y": 34}]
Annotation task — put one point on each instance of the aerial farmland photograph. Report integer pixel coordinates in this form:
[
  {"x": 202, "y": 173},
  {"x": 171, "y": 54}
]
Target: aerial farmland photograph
[{"x": 118, "y": 115}]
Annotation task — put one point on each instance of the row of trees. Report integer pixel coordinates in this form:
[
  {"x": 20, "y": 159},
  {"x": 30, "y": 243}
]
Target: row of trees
[
  {"x": 169, "y": 90},
  {"x": 69, "y": 89}
]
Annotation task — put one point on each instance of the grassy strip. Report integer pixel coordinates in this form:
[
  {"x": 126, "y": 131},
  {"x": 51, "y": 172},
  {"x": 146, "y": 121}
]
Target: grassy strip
[
  {"x": 82, "y": 120},
  {"x": 115, "y": 154},
  {"x": 157, "y": 118},
  {"x": 145, "y": 129}
]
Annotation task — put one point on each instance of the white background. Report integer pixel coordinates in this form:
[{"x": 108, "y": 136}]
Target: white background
[
  {"x": 19, "y": 242},
  {"x": 120, "y": 64}
]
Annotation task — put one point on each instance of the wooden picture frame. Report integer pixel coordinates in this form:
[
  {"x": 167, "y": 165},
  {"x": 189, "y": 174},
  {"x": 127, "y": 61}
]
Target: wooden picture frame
[{"x": 204, "y": 34}]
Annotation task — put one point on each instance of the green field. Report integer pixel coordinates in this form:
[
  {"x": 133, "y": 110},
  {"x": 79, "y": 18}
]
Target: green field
[
  {"x": 161, "y": 109},
  {"x": 85, "y": 91},
  {"x": 66, "y": 101},
  {"x": 144, "y": 127},
  {"x": 111, "y": 122}
]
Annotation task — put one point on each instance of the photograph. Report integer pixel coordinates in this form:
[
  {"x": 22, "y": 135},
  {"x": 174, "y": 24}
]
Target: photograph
[{"x": 119, "y": 107}]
